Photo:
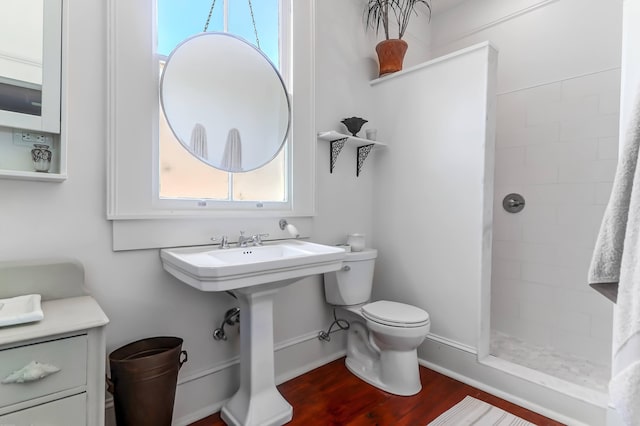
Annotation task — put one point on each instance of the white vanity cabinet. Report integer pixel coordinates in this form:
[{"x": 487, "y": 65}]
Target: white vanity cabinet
[{"x": 70, "y": 337}]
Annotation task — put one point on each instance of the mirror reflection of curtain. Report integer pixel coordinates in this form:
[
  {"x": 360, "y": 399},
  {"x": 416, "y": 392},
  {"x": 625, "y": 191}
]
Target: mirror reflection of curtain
[
  {"x": 199, "y": 141},
  {"x": 232, "y": 156}
]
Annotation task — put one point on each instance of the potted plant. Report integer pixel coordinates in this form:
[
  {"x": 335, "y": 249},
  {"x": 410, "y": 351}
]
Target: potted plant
[{"x": 378, "y": 13}]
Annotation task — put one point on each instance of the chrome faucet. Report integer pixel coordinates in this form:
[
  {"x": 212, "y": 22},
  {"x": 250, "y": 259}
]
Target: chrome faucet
[
  {"x": 257, "y": 239},
  {"x": 224, "y": 241},
  {"x": 244, "y": 241}
]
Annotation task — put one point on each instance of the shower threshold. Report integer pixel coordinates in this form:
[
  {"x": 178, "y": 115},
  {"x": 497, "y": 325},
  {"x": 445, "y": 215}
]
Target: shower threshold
[{"x": 573, "y": 376}]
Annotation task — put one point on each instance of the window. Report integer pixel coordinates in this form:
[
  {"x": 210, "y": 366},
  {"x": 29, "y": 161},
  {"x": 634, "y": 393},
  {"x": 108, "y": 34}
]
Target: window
[
  {"x": 140, "y": 218},
  {"x": 181, "y": 175}
]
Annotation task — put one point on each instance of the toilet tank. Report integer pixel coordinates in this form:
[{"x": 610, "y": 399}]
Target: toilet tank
[{"x": 353, "y": 283}]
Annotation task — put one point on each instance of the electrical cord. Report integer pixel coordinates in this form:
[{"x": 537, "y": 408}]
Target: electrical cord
[{"x": 342, "y": 324}]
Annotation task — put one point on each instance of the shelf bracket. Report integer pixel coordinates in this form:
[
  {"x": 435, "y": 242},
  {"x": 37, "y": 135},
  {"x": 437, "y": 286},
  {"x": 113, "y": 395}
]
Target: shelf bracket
[
  {"x": 363, "y": 152},
  {"x": 335, "y": 147}
]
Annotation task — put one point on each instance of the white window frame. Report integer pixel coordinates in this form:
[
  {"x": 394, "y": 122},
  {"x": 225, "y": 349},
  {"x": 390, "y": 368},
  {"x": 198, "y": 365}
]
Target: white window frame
[{"x": 132, "y": 134}]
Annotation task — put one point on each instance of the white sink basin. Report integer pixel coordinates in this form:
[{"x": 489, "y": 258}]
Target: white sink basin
[
  {"x": 254, "y": 274},
  {"x": 209, "y": 268}
]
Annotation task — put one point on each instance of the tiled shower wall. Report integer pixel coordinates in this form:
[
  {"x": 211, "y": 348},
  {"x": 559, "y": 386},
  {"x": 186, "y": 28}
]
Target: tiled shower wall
[{"x": 556, "y": 145}]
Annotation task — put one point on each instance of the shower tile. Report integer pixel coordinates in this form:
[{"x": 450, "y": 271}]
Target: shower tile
[
  {"x": 593, "y": 84},
  {"x": 533, "y": 252},
  {"x": 536, "y": 293},
  {"x": 505, "y": 269},
  {"x": 608, "y": 126},
  {"x": 537, "y": 214},
  {"x": 510, "y": 155},
  {"x": 595, "y": 171},
  {"x": 546, "y": 93},
  {"x": 550, "y": 234},
  {"x": 528, "y": 135},
  {"x": 552, "y": 275},
  {"x": 608, "y": 148},
  {"x": 539, "y": 313},
  {"x": 574, "y": 322},
  {"x": 610, "y": 102},
  {"x": 538, "y": 174},
  {"x": 603, "y": 192},
  {"x": 579, "y": 129},
  {"x": 569, "y": 255},
  {"x": 505, "y": 289},
  {"x": 532, "y": 332},
  {"x": 601, "y": 327},
  {"x": 596, "y": 350},
  {"x": 588, "y": 215},
  {"x": 562, "y": 153},
  {"x": 572, "y": 109},
  {"x": 507, "y": 229}
]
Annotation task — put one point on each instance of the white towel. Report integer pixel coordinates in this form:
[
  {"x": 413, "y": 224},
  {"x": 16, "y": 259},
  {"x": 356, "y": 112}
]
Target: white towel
[
  {"x": 616, "y": 258},
  {"x": 198, "y": 141},
  {"x": 232, "y": 155}
]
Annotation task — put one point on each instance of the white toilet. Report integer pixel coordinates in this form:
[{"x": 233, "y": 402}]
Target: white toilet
[{"x": 383, "y": 336}]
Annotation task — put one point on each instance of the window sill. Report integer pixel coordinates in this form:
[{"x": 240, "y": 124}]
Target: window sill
[{"x": 140, "y": 234}]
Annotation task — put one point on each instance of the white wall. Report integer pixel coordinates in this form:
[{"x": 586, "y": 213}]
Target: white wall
[
  {"x": 68, "y": 219},
  {"x": 540, "y": 41},
  {"x": 431, "y": 183}
]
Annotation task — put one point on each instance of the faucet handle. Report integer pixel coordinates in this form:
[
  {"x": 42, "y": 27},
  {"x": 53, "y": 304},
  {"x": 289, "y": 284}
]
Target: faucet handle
[
  {"x": 242, "y": 240},
  {"x": 223, "y": 240},
  {"x": 257, "y": 239}
]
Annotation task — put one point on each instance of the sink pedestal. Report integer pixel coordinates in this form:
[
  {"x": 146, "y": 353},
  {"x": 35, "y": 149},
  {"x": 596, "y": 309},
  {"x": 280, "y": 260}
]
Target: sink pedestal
[{"x": 257, "y": 402}]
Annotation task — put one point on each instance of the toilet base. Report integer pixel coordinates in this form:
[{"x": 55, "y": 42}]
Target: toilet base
[{"x": 404, "y": 373}]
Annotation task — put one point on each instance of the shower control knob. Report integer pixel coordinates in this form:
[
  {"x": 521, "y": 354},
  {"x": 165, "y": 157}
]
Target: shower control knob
[{"x": 513, "y": 203}]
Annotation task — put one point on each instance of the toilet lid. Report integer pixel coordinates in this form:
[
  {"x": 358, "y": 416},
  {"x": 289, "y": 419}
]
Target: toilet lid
[{"x": 395, "y": 314}]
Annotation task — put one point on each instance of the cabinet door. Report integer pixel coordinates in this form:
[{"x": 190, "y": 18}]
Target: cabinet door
[
  {"x": 68, "y": 354},
  {"x": 71, "y": 411}
]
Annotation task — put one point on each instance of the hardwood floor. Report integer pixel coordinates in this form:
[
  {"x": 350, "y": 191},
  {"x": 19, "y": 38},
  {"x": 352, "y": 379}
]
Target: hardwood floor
[{"x": 331, "y": 395}]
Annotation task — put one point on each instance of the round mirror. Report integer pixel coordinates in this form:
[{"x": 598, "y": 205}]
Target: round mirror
[{"x": 225, "y": 102}]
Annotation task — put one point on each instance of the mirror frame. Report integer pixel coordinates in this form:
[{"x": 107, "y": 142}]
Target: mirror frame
[
  {"x": 49, "y": 120},
  {"x": 185, "y": 144}
]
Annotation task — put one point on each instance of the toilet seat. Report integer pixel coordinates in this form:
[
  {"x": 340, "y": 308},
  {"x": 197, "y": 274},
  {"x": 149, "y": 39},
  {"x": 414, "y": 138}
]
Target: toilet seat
[{"x": 395, "y": 314}]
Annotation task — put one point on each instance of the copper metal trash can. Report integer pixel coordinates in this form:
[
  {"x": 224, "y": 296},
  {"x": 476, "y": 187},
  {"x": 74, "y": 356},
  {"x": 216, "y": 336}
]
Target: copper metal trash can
[{"x": 143, "y": 380}]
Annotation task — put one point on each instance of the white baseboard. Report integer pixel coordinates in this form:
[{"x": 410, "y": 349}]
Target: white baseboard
[
  {"x": 464, "y": 366},
  {"x": 205, "y": 392}
]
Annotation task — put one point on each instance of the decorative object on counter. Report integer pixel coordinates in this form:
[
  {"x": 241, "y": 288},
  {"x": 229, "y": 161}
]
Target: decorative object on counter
[
  {"x": 41, "y": 157},
  {"x": 20, "y": 309},
  {"x": 356, "y": 241},
  {"x": 31, "y": 372},
  {"x": 391, "y": 51},
  {"x": 354, "y": 124},
  {"x": 372, "y": 134}
]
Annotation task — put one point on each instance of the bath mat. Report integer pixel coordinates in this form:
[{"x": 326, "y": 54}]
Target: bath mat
[{"x": 471, "y": 411}]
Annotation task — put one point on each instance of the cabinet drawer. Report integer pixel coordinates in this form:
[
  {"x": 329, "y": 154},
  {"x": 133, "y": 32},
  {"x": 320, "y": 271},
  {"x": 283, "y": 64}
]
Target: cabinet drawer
[
  {"x": 68, "y": 354},
  {"x": 71, "y": 411}
]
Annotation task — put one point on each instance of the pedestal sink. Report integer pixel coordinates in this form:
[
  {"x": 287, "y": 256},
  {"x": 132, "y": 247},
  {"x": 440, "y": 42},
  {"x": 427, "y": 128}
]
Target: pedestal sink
[{"x": 254, "y": 275}]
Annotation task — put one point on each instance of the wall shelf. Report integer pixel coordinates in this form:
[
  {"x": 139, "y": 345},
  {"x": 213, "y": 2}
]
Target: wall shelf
[
  {"x": 338, "y": 140},
  {"x": 24, "y": 175},
  {"x": 16, "y": 161}
]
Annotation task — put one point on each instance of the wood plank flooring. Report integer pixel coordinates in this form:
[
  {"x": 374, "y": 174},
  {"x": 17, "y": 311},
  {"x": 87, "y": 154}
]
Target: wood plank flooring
[{"x": 331, "y": 395}]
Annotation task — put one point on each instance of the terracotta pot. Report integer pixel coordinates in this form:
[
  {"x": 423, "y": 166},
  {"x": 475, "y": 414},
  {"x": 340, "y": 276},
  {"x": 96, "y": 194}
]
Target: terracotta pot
[{"x": 390, "y": 55}]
